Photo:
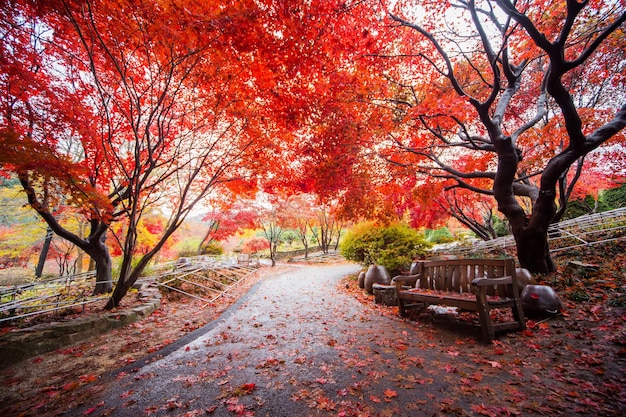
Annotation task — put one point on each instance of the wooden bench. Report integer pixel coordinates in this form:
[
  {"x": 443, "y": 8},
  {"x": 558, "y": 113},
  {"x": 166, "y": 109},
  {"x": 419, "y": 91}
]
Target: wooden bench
[{"x": 479, "y": 285}]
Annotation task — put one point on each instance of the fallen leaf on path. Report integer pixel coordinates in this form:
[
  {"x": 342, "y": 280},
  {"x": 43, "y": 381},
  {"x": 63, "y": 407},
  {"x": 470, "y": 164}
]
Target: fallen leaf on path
[{"x": 389, "y": 394}]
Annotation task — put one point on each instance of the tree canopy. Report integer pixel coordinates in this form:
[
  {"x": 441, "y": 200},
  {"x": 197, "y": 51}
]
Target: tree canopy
[{"x": 388, "y": 110}]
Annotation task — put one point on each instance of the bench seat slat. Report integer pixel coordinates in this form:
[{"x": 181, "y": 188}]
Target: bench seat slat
[{"x": 464, "y": 303}]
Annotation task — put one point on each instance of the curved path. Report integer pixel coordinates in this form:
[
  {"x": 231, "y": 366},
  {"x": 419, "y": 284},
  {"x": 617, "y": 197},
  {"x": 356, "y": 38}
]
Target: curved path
[{"x": 296, "y": 346}]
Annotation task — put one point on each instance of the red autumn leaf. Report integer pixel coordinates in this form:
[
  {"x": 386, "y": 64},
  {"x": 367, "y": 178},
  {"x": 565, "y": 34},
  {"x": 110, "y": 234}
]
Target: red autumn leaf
[
  {"x": 494, "y": 364},
  {"x": 325, "y": 404},
  {"x": 88, "y": 378},
  {"x": 247, "y": 388},
  {"x": 400, "y": 346},
  {"x": 467, "y": 381},
  {"x": 484, "y": 411},
  {"x": 389, "y": 393},
  {"x": 127, "y": 394},
  {"x": 70, "y": 386},
  {"x": 94, "y": 408},
  {"x": 498, "y": 351},
  {"x": 450, "y": 369}
]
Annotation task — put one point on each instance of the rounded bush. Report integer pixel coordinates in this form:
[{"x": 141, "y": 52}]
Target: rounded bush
[{"x": 394, "y": 246}]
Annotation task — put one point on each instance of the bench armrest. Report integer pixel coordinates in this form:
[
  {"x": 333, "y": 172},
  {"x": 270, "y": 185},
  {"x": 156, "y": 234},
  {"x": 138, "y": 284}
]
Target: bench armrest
[
  {"x": 482, "y": 282},
  {"x": 402, "y": 280}
]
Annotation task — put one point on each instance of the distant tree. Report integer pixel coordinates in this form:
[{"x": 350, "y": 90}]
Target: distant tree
[
  {"x": 271, "y": 221},
  {"x": 226, "y": 222},
  {"x": 327, "y": 229},
  {"x": 301, "y": 209},
  {"x": 21, "y": 231},
  {"x": 255, "y": 245}
]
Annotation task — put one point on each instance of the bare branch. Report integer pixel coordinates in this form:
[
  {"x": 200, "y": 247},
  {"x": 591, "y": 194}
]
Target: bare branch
[
  {"x": 449, "y": 73},
  {"x": 542, "y": 110}
]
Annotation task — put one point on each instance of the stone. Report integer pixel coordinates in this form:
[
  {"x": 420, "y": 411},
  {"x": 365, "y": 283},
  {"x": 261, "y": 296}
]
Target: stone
[
  {"x": 362, "y": 279},
  {"x": 579, "y": 269},
  {"x": 385, "y": 294},
  {"x": 183, "y": 262},
  {"x": 376, "y": 274},
  {"x": 540, "y": 300},
  {"x": 524, "y": 278},
  {"x": 20, "y": 344}
]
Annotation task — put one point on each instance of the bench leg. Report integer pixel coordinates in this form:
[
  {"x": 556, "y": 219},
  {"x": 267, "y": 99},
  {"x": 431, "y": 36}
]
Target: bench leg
[
  {"x": 486, "y": 325},
  {"x": 401, "y": 307},
  {"x": 518, "y": 314}
]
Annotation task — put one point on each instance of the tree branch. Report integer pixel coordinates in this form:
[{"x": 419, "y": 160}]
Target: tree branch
[{"x": 449, "y": 73}]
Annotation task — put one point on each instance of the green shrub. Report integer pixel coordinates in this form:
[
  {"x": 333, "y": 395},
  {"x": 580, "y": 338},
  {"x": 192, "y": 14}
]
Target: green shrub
[
  {"x": 394, "y": 246},
  {"x": 213, "y": 248},
  {"x": 441, "y": 235},
  {"x": 500, "y": 226},
  {"x": 580, "y": 207},
  {"x": 187, "y": 252},
  {"x": 615, "y": 197}
]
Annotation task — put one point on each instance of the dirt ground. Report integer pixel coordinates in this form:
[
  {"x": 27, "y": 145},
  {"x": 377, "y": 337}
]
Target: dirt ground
[{"x": 591, "y": 328}]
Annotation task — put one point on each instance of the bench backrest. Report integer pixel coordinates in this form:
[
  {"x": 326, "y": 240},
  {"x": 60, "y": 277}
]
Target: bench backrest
[{"x": 456, "y": 275}]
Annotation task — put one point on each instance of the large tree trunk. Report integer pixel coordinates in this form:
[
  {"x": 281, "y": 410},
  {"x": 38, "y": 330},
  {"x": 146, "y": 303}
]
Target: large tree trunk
[
  {"x": 128, "y": 279},
  {"x": 120, "y": 291},
  {"x": 122, "y": 288},
  {"x": 129, "y": 274},
  {"x": 104, "y": 277},
  {"x": 533, "y": 250},
  {"x": 531, "y": 233}
]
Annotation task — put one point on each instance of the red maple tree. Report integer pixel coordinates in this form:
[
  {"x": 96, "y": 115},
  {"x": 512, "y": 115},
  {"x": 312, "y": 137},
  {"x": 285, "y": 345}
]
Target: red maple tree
[{"x": 491, "y": 99}]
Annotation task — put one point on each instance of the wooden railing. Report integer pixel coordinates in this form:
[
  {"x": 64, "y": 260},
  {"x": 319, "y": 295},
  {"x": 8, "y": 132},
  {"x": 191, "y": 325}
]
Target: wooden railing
[{"x": 587, "y": 230}]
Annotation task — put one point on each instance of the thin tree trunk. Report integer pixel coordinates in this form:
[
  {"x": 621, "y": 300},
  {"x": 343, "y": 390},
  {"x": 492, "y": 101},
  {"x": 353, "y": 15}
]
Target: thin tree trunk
[
  {"x": 273, "y": 250},
  {"x": 44, "y": 252},
  {"x": 79, "y": 261}
]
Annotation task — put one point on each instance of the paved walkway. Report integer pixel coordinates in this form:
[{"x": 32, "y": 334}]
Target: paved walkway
[{"x": 295, "y": 346}]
